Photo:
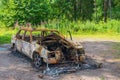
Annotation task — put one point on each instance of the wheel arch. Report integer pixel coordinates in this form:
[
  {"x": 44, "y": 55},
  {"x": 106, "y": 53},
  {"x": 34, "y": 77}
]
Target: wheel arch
[{"x": 34, "y": 52}]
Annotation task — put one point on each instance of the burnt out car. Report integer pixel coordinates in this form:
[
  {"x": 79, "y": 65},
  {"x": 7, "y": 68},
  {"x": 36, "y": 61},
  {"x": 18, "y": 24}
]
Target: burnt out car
[{"x": 47, "y": 46}]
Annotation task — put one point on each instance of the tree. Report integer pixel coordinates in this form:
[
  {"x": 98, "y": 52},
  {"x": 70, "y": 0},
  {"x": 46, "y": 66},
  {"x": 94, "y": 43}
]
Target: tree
[
  {"x": 105, "y": 10},
  {"x": 33, "y": 11},
  {"x": 115, "y": 5}
]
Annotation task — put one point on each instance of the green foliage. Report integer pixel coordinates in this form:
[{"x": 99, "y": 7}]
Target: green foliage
[
  {"x": 37, "y": 11},
  {"x": 98, "y": 10},
  {"x": 74, "y": 9},
  {"x": 33, "y": 11},
  {"x": 116, "y": 9}
]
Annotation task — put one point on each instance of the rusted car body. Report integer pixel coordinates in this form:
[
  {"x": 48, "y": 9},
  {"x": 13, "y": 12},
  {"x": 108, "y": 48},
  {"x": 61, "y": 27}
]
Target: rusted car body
[{"x": 48, "y": 46}]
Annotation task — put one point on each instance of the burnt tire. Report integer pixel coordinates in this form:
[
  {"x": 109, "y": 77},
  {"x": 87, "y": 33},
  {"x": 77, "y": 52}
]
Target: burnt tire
[
  {"x": 37, "y": 60},
  {"x": 14, "y": 49}
]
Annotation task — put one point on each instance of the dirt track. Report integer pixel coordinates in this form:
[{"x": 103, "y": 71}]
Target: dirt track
[{"x": 18, "y": 67}]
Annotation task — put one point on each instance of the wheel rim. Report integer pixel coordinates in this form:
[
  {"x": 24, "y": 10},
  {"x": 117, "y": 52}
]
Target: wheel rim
[{"x": 37, "y": 60}]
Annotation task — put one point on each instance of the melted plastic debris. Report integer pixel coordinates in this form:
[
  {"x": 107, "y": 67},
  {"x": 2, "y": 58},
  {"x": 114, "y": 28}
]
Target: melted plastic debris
[{"x": 55, "y": 71}]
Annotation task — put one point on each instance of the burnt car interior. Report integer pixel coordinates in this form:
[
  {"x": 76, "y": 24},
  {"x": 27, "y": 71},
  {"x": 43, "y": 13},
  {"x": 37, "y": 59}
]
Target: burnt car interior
[{"x": 54, "y": 42}]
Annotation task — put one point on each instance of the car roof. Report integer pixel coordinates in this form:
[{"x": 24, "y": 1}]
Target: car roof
[{"x": 38, "y": 29}]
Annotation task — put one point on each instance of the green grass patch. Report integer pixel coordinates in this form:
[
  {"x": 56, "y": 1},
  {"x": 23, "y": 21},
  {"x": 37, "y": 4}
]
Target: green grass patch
[
  {"x": 5, "y": 35},
  {"x": 79, "y": 29},
  {"x": 5, "y": 39}
]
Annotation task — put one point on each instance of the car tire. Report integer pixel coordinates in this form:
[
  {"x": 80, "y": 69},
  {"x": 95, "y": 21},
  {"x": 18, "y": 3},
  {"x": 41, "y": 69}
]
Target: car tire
[
  {"x": 14, "y": 49},
  {"x": 37, "y": 60}
]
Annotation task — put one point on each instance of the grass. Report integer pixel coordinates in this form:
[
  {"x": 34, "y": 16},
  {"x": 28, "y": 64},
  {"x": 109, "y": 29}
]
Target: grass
[
  {"x": 5, "y": 35},
  {"x": 79, "y": 29}
]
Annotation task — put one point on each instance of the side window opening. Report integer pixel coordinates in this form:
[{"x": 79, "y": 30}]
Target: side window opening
[
  {"x": 36, "y": 35},
  {"x": 27, "y": 36},
  {"x": 20, "y": 34}
]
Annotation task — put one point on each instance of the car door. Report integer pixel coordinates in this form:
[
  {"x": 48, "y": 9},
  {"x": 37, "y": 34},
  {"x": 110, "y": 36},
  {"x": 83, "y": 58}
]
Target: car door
[
  {"x": 26, "y": 44},
  {"x": 18, "y": 41},
  {"x": 33, "y": 47}
]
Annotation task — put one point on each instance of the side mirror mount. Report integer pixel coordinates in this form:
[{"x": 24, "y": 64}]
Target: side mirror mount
[{"x": 70, "y": 34}]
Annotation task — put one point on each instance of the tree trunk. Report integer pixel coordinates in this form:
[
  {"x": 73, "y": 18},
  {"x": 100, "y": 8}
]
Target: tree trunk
[
  {"x": 75, "y": 10},
  {"x": 105, "y": 10},
  {"x": 110, "y": 8}
]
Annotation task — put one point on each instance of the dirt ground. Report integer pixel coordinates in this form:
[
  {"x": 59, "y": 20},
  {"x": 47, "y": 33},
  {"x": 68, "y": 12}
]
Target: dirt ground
[{"x": 18, "y": 66}]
